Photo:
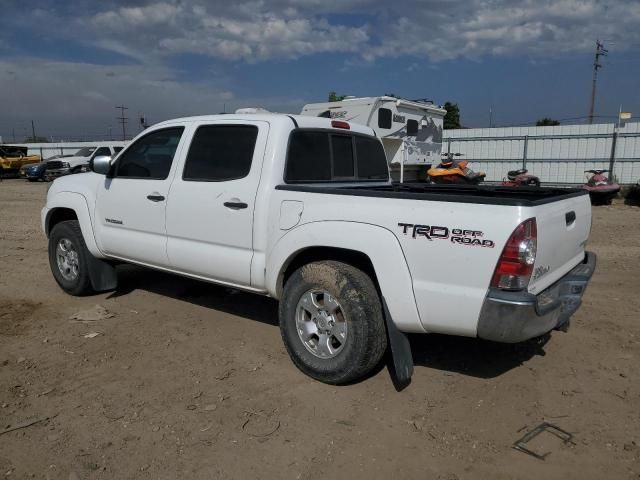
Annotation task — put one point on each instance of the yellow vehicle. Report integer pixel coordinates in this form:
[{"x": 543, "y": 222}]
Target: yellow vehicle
[{"x": 12, "y": 158}]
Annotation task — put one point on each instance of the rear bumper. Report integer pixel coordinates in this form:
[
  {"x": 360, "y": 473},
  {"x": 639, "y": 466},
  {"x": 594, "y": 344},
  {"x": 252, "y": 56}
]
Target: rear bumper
[{"x": 511, "y": 317}]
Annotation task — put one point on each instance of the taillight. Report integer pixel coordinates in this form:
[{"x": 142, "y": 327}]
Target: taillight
[
  {"x": 340, "y": 124},
  {"x": 515, "y": 265}
]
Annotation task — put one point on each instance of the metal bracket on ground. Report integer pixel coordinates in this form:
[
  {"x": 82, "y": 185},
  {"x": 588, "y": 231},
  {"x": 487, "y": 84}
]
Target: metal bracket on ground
[{"x": 563, "y": 435}]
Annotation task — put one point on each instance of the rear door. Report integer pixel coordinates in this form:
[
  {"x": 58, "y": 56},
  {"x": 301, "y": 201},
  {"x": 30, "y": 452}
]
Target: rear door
[
  {"x": 212, "y": 200},
  {"x": 131, "y": 206},
  {"x": 563, "y": 229}
]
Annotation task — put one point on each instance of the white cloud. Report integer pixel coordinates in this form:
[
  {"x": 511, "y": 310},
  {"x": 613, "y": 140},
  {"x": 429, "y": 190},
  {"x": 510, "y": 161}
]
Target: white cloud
[
  {"x": 446, "y": 30},
  {"x": 260, "y": 30},
  {"x": 234, "y": 33}
]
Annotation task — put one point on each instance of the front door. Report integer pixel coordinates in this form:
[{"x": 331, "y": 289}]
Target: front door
[
  {"x": 210, "y": 212},
  {"x": 131, "y": 205}
]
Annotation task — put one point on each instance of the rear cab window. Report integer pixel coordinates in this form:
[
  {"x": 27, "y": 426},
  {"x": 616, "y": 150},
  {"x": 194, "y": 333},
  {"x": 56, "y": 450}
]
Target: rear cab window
[{"x": 316, "y": 155}]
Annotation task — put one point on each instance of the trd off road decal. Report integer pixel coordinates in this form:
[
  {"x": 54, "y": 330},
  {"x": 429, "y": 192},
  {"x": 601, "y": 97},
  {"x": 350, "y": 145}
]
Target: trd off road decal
[{"x": 458, "y": 236}]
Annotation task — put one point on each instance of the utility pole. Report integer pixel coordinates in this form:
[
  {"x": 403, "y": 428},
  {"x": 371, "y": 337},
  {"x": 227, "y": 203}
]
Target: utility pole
[
  {"x": 600, "y": 52},
  {"x": 123, "y": 120},
  {"x": 33, "y": 132}
]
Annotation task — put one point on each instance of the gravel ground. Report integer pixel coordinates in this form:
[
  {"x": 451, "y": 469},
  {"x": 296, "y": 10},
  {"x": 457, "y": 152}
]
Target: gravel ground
[{"x": 190, "y": 380}]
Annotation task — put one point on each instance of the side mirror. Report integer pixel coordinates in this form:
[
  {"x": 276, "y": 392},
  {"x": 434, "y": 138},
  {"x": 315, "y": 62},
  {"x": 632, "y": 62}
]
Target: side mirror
[{"x": 101, "y": 164}]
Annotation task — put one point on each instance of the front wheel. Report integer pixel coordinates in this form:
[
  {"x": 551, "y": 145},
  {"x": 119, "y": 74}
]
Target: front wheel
[
  {"x": 69, "y": 258},
  {"x": 332, "y": 323}
]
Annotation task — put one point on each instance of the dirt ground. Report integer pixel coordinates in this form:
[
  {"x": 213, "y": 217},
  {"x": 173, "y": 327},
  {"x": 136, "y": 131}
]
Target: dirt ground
[{"x": 191, "y": 381}]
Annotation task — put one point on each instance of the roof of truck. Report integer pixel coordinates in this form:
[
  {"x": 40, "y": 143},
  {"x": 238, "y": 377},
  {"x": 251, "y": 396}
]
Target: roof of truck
[{"x": 302, "y": 121}]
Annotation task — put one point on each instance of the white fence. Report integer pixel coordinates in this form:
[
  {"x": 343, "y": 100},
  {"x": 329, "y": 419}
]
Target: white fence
[{"x": 555, "y": 154}]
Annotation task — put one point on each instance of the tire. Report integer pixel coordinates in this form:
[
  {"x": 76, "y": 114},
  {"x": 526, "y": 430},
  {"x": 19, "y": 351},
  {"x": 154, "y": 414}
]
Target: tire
[
  {"x": 359, "y": 315},
  {"x": 72, "y": 271}
]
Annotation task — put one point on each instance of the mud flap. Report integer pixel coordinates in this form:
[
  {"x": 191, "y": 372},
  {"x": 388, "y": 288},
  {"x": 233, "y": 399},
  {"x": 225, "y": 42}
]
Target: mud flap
[
  {"x": 102, "y": 274},
  {"x": 401, "y": 357}
]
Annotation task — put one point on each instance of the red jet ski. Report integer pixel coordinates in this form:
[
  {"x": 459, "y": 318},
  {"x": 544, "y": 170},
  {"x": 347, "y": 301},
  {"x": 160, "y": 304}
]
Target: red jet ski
[{"x": 601, "y": 189}]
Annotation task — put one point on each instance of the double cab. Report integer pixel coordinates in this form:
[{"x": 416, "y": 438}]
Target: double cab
[{"x": 302, "y": 209}]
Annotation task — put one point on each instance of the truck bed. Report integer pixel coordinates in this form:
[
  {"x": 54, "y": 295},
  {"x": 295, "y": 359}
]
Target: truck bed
[{"x": 481, "y": 194}]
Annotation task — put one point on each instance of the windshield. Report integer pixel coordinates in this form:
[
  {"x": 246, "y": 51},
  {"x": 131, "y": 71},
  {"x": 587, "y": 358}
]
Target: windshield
[{"x": 85, "y": 152}]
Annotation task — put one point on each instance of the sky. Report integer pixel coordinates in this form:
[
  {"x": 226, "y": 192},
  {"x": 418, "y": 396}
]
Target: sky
[{"x": 67, "y": 65}]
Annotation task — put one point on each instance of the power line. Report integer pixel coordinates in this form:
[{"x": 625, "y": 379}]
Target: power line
[
  {"x": 600, "y": 52},
  {"x": 123, "y": 120}
]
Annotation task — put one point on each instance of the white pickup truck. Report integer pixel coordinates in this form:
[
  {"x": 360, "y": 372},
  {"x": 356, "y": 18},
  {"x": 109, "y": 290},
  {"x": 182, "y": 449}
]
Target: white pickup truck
[
  {"x": 79, "y": 161},
  {"x": 301, "y": 209}
]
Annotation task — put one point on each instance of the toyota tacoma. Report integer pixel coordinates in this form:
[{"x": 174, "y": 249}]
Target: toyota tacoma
[{"x": 302, "y": 209}]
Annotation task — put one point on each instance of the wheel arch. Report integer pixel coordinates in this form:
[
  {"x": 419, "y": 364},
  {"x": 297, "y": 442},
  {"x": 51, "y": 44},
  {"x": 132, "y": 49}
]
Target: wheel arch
[
  {"x": 311, "y": 254},
  {"x": 371, "y": 248},
  {"x": 57, "y": 215},
  {"x": 71, "y": 206}
]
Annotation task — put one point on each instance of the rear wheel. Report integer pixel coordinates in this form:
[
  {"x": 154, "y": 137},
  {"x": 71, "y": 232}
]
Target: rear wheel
[
  {"x": 332, "y": 323},
  {"x": 68, "y": 258}
]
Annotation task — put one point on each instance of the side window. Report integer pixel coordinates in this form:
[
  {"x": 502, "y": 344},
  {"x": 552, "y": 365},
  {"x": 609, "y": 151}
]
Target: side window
[
  {"x": 342, "y": 149},
  {"x": 412, "y": 128},
  {"x": 384, "y": 118},
  {"x": 150, "y": 156},
  {"x": 220, "y": 152},
  {"x": 117, "y": 149},
  {"x": 372, "y": 162},
  {"x": 309, "y": 157},
  {"x": 102, "y": 151}
]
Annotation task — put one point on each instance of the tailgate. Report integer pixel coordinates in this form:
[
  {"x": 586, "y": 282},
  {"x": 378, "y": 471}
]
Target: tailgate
[{"x": 563, "y": 230}]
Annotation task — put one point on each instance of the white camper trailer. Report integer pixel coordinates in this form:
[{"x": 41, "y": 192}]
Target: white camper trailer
[{"x": 411, "y": 131}]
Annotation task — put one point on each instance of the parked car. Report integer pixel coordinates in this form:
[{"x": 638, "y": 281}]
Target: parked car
[
  {"x": 34, "y": 171},
  {"x": 12, "y": 158},
  {"x": 78, "y": 162},
  {"x": 302, "y": 209}
]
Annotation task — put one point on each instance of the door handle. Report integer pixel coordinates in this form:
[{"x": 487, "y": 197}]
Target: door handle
[
  {"x": 235, "y": 205},
  {"x": 570, "y": 217},
  {"x": 155, "y": 198}
]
